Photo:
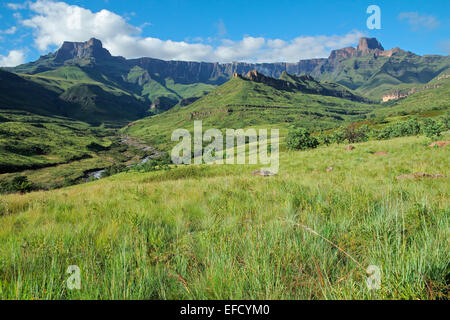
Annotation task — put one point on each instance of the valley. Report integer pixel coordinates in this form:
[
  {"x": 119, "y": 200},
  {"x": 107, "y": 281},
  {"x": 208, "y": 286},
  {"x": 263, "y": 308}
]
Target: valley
[{"x": 86, "y": 177}]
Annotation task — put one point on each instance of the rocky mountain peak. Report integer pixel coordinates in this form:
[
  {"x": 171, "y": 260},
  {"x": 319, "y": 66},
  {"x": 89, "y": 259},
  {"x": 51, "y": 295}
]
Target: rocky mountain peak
[
  {"x": 366, "y": 45},
  {"x": 82, "y": 50},
  {"x": 254, "y": 75}
]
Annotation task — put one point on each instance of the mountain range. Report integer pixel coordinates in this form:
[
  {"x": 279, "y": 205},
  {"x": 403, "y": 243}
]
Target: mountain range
[{"x": 158, "y": 85}]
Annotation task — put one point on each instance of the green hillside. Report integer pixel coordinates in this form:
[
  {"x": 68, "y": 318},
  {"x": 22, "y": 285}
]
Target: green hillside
[
  {"x": 427, "y": 102},
  {"x": 376, "y": 76},
  {"x": 77, "y": 97},
  {"x": 242, "y": 103}
]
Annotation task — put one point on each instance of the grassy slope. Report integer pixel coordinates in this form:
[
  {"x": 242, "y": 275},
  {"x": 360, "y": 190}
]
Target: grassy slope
[
  {"x": 31, "y": 141},
  {"x": 426, "y": 103},
  {"x": 217, "y": 109},
  {"x": 118, "y": 78},
  {"x": 69, "y": 92},
  {"x": 231, "y": 235},
  {"x": 54, "y": 151}
]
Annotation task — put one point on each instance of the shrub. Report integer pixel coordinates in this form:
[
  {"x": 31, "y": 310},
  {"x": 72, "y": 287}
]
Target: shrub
[
  {"x": 410, "y": 127},
  {"x": 17, "y": 184},
  {"x": 22, "y": 185},
  {"x": 337, "y": 136},
  {"x": 114, "y": 169},
  {"x": 431, "y": 128},
  {"x": 324, "y": 138},
  {"x": 300, "y": 139},
  {"x": 446, "y": 122},
  {"x": 353, "y": 134}
]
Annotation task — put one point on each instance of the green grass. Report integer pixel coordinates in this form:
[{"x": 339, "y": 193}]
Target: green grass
[
  {"x": 30, "y": 141},
  {"x": 217, "y": 232},
  {"x": 67, "y": 72},
  {"x": 189, "y": 90}
]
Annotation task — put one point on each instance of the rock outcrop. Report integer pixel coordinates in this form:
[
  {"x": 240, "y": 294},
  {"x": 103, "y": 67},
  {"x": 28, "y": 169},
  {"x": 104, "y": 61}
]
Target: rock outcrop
[{"x": 276, "y": 83}]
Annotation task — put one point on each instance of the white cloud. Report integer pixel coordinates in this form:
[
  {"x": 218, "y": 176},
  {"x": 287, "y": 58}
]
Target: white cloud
[
  {"x": 14, "y": 58},
  {"x": 417, "y": 21},
  {"x": 56, "y": 22},
  {"x": 11, "y": 30},
  {"x": 444, "y": 45},
  {"x": 221, "y": 28},
  {"x": 16, "y": 6}
]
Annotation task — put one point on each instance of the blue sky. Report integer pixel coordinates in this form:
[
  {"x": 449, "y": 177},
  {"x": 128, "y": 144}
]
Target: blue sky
[{"x": 231, "y": 30}]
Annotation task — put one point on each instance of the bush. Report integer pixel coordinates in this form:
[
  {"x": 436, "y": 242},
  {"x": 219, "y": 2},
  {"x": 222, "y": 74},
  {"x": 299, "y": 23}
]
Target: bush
[
  {"x": 300, "y": 139},
  {"x": 324, "y": 138},
  {"x": 410, "y": 127},
  {"x": 445, "y": 120},
  {"x": 161, "y": 163},
  {"x": 337, "y": 136},
  {"x": 353, "y": 134},
  {"x": 17, "y": 184},
  {"x": 431, "y": 128},
  {"x": 114, "y": 169}
]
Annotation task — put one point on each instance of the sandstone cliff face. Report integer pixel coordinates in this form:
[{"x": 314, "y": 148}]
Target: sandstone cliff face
[
  {"x": 81, "y": 50},
  {"x": 398, "y": 94},
  {"x": 368, "y": 45},
  {"x": 186, "y": 72},
  {"x": 344, "y": 53}
]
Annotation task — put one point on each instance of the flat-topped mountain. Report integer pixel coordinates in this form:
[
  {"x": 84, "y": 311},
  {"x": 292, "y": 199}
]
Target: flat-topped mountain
[{"x": 82, "y": 50}]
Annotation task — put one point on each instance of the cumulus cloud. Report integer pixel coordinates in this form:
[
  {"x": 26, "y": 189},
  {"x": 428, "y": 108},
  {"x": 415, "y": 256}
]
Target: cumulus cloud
[
  {"x": 418, "y": 21},
  {"x": 14, "y": 58},
  {"x": 56, "y": 22}
]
